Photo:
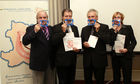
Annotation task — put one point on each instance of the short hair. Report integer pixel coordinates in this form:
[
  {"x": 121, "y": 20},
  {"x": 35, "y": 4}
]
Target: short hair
[
  {"x": 93, "y": 10},
  {"x": 118, "y": 13},
  {"x": 66, "y": 10},
  {"x": 41, "y": 11}
]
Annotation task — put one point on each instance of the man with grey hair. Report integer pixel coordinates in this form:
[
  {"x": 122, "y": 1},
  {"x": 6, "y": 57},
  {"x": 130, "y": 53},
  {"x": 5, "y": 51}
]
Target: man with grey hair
[
  {"x": 94, "y": 58},
  {"x": 39, "y": 36}
]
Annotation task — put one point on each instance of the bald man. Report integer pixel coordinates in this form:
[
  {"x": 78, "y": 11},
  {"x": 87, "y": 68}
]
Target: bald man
[{"x": 40, "y": 39}]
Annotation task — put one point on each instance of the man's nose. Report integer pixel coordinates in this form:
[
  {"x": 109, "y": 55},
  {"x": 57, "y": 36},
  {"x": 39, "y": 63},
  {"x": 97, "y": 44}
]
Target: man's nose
[
  {"x": 69, "y": 17},
  {"x": 43, "y": 18},
  {"x": 116, "y": 19},
  {"x": 90, "y": 18}
]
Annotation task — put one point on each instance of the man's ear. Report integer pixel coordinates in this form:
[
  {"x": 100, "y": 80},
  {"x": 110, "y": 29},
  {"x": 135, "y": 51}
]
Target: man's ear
[
  {"x": 62, "y": 18},
  {"x": 96, "y": 17}
]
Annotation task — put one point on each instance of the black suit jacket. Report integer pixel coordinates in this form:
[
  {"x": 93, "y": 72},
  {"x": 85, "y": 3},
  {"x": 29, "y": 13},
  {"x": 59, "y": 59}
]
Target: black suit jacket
[
  {"x": 63, "y": 58},
  {"x": 40, "y": 52},
  {"x": 97, "y": 56},
  {"x": 130, "y": 40}
]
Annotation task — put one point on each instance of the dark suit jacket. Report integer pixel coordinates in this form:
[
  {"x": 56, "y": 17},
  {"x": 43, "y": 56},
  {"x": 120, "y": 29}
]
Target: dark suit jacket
[
  {"x": 97, "y": 56},
  {"x": 130, "y": 41},
  {"x": 40, "y": 48},
  {"x": 63, "y": 58}
]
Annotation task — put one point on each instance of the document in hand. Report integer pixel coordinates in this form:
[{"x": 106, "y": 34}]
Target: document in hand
[
  {"x": 92, "y": 41},
  {"x": 119, "y": 43},
  {"x": 72, "y": 42},
  {"x": 121, "y": 38},
  {"x": 77, "y": 43}
]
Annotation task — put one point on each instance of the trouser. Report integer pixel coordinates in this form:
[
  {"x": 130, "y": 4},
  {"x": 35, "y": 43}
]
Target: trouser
[
  {"x": 121, "y": 62},
  {"x": 38, "y": 77},
  {"x": 44, "y": 77},
  {"x": 66, "y": 75},
  {"x": 98, "y": 74}
]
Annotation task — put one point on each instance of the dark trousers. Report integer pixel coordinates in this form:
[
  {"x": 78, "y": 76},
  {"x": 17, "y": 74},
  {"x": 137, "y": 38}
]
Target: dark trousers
[
  {"x": 66, "y": 75},
  {"x": 121, "y": 62},
  {"x": 98, "y": 75}
]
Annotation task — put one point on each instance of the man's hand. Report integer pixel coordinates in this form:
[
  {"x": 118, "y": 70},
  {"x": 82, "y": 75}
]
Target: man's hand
[
  {"x": 75, "y": 49},
  {"x": 123, "y": 50},
  {"x": 64, "y": 26},
  {"x": 97, "y": 26},
  {"x": 86, "y": 44},
  {"x": 37, "y": 28}
]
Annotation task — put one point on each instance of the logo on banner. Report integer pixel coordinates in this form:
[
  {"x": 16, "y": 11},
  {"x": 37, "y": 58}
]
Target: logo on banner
[{"x": 19, "y": 53}]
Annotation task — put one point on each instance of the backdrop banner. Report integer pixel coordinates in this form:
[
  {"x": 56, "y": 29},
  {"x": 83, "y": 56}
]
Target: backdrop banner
[{"x": 15, "y": 16}]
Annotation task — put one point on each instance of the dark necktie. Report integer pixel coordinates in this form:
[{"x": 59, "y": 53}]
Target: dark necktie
[
  {"x": 46, "y": 32},
  {"x": 92, "y": 30},
  {"x": 68, "y": 29}
]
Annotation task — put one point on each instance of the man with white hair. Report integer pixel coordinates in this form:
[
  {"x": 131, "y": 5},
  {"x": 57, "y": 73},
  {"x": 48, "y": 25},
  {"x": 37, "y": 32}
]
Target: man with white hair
[{"x": 39, "y": 36}]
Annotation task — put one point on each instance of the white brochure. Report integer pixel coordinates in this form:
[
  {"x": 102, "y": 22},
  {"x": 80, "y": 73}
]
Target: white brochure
[
  {"x": 119, "y": 43},
  {"x": 69, "y": 35},
  {"x": 92, "y": 41},
  {"x": 71, "y": 42},
  {"x": 77, "y": 43}
]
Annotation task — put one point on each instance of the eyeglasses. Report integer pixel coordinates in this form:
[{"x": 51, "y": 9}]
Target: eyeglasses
[
  {"x": 42, "y": 17},
  {"x": 91, "y": 16},
  {"x": 68, "y": 16},
  {"x": 117, "y": 17}
]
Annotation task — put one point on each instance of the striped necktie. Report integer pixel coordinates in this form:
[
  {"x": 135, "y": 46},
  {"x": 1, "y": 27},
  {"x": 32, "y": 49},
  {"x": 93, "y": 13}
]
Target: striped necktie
[{"x": 46, "y": 32}]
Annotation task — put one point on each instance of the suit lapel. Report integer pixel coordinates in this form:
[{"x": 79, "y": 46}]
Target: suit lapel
[
  {"x": 122, "y": 29},
  {"x": 89, "y": 30},
  {"x": 72, "y": 28}
]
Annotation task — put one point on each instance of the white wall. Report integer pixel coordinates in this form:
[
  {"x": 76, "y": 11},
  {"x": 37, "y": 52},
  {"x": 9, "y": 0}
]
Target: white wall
[{"x": 106, "y": 8}]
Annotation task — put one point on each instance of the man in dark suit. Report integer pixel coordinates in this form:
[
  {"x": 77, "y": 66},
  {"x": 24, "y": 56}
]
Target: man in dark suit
[
  {"x": 40, "y": 39},
  {"x": 65, "y": 60},
  {"x": 94, "y": 59}
]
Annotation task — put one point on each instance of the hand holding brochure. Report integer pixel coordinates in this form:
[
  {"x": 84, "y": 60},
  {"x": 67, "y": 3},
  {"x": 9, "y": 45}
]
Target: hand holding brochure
[{"x": 92, "y": 41}]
